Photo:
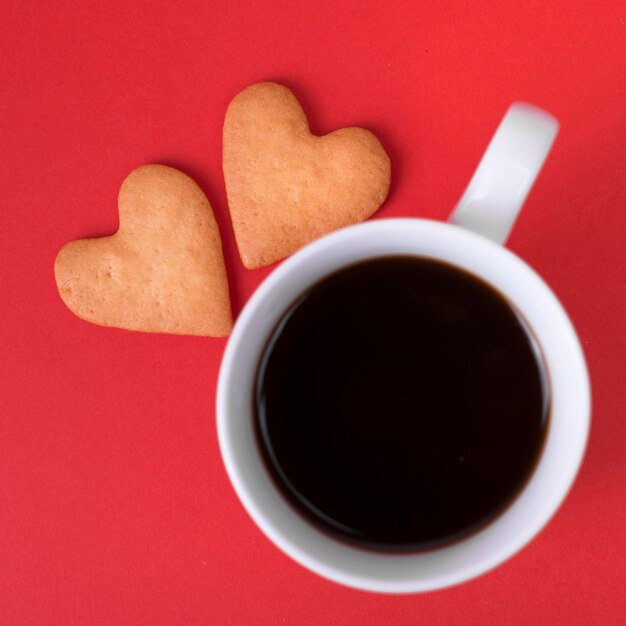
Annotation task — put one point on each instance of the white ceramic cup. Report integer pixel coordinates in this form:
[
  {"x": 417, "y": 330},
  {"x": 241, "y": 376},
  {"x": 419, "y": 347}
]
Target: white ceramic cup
[{"x": 480, "y": 224}]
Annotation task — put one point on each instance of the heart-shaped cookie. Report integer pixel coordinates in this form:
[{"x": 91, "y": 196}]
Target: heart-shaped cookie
[
  {"x": 286, "y": 186},
  {"x": 163, "y": 271}
]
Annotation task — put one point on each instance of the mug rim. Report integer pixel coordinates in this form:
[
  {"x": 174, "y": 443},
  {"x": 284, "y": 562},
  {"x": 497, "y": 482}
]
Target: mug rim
[{"x": 387, "y": 232}]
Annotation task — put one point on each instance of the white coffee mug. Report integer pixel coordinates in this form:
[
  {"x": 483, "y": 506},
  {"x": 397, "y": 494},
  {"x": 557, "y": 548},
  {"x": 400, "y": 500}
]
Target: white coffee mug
[{"x": 472, "y": 241}]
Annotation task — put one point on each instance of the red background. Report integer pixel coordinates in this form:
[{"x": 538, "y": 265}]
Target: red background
[{"x": 114, "y": 505}]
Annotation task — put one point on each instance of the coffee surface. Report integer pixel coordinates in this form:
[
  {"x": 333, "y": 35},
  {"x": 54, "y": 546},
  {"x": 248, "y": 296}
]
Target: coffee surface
[{"x": 400, "y": 404}]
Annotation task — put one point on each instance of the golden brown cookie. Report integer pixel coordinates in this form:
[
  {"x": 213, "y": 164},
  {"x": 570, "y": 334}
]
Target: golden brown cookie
[
  {"x": 287, "y": 187},
  {"x": 162, "y": 272}
]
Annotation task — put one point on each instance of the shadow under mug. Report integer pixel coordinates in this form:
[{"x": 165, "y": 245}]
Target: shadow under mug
[{"x": 471, "y": 241}]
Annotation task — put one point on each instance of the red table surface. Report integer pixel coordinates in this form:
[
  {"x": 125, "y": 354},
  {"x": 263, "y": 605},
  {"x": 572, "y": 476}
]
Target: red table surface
[{"x": 114, "y": 504}]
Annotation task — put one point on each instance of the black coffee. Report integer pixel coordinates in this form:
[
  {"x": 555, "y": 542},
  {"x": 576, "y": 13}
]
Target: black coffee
[{"x": 400, "y": 404}]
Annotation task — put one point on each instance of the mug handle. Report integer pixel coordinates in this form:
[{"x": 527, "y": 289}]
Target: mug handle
[{"x": 506, "y": 172}]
